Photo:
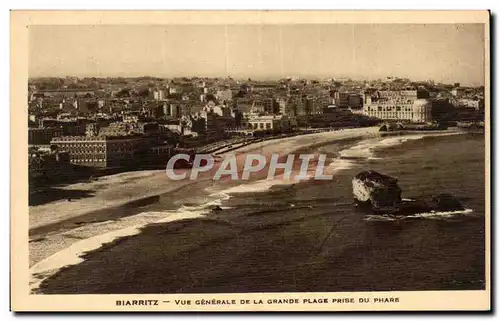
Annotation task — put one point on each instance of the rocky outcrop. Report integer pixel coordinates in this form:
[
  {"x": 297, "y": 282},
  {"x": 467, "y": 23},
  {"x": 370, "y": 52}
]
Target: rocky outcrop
[
  {"x": 376, "y": 189},
  {"x": 216, "y": 208},
  {"x": 444, "y": 202},
  {"x": 382, "y": 194}
]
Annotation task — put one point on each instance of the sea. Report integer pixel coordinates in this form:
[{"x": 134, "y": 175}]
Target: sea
[{"x": 271, "y": 235}]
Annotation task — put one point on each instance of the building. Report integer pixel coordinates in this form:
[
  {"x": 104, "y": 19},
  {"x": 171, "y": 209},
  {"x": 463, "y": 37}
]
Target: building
[
  {"x": 173, "y": 90},
  {"x": 282, "y": 103},
  {"x": 224, "y": 95},
  {"x": 33, "y": 118},
  {"x": 404, "y": 105},
  {"x": 268, "y": 104},
  {"x": 47, "y": 163},
  {"x": 457, "y": 92},
  {"x": 160, "y": 154},
  {"x": 148, "y": 128},
  {"x": 355, "y": 101},
  {"x": 198, "y": 124},
  {"x": 84, "y": 105},
  {"x": 258, "y": 106},
  {"x": 159, "y": 94},
  {"x": 43, "y": 136},
  {"x": 324, "y": 101},
  {"x": 296, "y": 106},
  {"x": 341, "y": 99},
  {"x": 101, "y": 151},
  {"x": 276, "y": 123},
  {"x": 74, "y": 127},
  {"x": 101, "y": 103},
  {"x": 175, "y": 110},
  {"x": 131, "y": 117},
  {"x": 314, "y": 106},
  {"x": 477, "y": 104},
  {"x": 422, "y": 111},
  {"x": 65, "y": 93}
]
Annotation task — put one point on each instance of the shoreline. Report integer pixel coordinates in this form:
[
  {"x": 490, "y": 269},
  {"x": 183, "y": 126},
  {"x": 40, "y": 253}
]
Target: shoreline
[
  {"x": 105, "y": 242},
  {"x": 115, "y": 191},
  {"x": 59, "y": 225},
  {"x": 48, "y": 239},
  {"x": 54, "y": 243}
]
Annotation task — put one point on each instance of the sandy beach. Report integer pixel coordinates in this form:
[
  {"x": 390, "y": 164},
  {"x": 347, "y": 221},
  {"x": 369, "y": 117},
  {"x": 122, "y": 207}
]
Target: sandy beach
[
  {"x": 300, "y": 237},
  {"x": 119, "y": 189},
  {"x": 111, "y": 203}
]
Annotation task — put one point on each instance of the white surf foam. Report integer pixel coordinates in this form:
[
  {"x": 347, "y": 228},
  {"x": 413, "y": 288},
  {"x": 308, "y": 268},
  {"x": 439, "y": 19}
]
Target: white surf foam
[
  {"x": 339, "y": 164},
  {"x": 258, "y": 186},
  {"x": 425, "y": 215},
  {"x": 366, "y": 148},
  {"x": 360, "y": 150},
  {"x": 441, "y": 215},
  {"x": 264, "y": 185},
  {"x": 72, "y": 255}
]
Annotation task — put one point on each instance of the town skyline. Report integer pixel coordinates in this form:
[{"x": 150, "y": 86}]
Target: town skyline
[
  {"x": 255, "y": 79},
  {"x": 265, "y": 52}
]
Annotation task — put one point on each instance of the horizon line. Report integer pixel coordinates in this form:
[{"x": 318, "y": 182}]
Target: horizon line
[{"x": 259, "y": 78}]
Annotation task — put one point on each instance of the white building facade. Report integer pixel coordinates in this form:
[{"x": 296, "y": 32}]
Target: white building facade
[
  {"x": 398, "y": 105},
  {"x": 276, "y": 123}
]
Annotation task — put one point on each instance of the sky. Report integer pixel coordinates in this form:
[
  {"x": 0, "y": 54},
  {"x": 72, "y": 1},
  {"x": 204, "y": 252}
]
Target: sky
[{"x": 441, "y": 52}]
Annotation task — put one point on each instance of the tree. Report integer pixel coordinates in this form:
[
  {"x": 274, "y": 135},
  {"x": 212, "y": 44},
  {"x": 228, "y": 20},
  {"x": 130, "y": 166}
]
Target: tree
[
  {"x": 144, "y": 93},
  {"x": 123, "y": 93}
]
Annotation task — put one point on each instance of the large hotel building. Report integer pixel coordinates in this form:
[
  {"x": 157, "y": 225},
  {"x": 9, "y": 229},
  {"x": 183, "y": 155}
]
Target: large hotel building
[
  {"x": 100, "y": 151},
  {"x": 404, "y": 105}
]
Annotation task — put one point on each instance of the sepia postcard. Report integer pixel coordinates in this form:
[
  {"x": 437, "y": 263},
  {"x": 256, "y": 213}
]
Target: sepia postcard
[{"x": 250, "y": 161}]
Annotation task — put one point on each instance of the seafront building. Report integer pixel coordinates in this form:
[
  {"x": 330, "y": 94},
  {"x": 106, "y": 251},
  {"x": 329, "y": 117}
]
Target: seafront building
[
  {"x": 276, "y": 123},
  {"x": 403, "y": 105},
  {"x": 100, "y": 151},
  {"x": 42, "y": 163},
  {"x": 43, "y": 136},
  {"x": 116, "y": 122}
]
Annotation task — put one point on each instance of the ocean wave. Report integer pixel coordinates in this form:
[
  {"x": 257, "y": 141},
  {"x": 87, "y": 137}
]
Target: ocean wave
[
  {"x": 361, "y": 150},
  {"x": 366, "y": 148},
  {"x": 72, "y": 255},
  {"x": 335, "y": 165},
  {"x": 259, "y": 186},
  {"x": 264, "y": 185},
  {"x": 339, "y": 164},
  {"x": 424, "y": 215},
  {"x": 349, "y": 157}
]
